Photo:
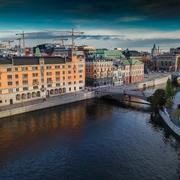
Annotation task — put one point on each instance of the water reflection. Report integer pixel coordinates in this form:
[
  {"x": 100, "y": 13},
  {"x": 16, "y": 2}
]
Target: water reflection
[
  {"x": 21, "y": 132},
  {"x": 87, "y": 140}
]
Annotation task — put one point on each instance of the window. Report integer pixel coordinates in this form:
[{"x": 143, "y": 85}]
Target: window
[
  {"x": 16, "y": 68},
  {"x": 80, "y": 81},
  {"x": 16, "y": 76},
  {"x": 48, "y": 67},
  {"x": 17, "y": 89},
  {"x": 63, "y": 66},
  {"x": 9, "y": 77},
  {"x": 49, "y": 80},
  {"x": 69, "y": 83},
  {"x": 24, "y": 68},
  {"x": 49, "y": 73},
  {"x": 57, "y": 73},
  {"x": 57, "y": 67},
  {"x": 35, "y": 74},
  {"x": 35, "y": 87},
  {"x": 70, "y": 89},
  {"x": 57, "y": 84},
  {"x": 17, "y": 83},
  {"x": 25, "y": 82},
  {"x": 25, "y": 76},
  {"x": 63, "y": 72},
  {"x": 10, "y": 83},
  {"x": 34, "y": 68},
  {"x": 69, "y": 66},
  {"x": 25, "y": 88},
  {"x": 9, "y": 69},
  {"x": 35, "y": 82},
  {"x": 57, "y": 79}
]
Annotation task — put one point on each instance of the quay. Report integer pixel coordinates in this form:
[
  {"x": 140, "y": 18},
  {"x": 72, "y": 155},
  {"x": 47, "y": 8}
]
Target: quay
[{"x": 39, "y": 104}]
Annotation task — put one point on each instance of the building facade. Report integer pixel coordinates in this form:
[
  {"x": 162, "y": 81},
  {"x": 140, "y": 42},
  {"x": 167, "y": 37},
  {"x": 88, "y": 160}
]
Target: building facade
[
  {"x": 99, "y": 71},
  {"x": 164, "y": 62},
  {"x": 29, "y": 78},
  {"x": 133, "y": 71},
  {"x": 118, "y": 74}
]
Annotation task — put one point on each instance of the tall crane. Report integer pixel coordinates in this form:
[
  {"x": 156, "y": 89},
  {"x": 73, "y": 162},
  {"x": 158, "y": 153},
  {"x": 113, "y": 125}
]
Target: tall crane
[
  {"x": 22, "y": 37},
  {"x": 67, "y": 34}
]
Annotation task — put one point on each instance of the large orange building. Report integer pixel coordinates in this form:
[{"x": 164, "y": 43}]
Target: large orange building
[{"x": 29, "y": 78}]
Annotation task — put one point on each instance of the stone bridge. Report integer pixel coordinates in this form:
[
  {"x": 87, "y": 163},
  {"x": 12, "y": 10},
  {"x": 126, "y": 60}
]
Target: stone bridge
[{"x": 122, "y": 91}]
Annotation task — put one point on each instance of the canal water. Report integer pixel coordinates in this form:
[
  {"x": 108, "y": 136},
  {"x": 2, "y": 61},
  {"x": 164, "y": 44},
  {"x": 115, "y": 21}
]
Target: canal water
[{"x": 92, "y": 140}]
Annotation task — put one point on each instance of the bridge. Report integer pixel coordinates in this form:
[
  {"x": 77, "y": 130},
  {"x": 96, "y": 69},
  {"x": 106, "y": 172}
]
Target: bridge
[{"x": 115, "y": 90}]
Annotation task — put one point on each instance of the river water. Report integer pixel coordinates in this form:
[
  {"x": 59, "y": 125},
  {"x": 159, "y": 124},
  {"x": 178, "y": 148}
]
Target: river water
[{"x": 92, "y": 140}]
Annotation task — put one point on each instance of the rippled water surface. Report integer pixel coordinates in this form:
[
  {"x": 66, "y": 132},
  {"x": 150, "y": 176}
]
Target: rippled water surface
[{"x": 87, "y": 141}]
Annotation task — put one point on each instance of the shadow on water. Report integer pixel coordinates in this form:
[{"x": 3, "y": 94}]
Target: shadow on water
[{"x": 94, "y": 128}]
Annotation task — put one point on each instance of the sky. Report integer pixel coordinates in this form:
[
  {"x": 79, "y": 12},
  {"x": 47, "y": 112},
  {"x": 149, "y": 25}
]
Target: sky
[{"x": 133, "y": 24}]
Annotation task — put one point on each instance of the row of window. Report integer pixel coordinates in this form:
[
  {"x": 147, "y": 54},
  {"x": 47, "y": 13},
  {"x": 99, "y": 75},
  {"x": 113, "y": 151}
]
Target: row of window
[{"x": 34, "y": 68}]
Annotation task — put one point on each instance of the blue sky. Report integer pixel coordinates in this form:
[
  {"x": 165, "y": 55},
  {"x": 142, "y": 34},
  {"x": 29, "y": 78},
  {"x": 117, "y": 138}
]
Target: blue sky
[{"x": 136, "y": 24}]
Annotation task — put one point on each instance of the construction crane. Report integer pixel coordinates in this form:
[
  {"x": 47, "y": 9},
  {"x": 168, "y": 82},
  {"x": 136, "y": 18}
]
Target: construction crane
[
  {"x": 9, "y": 42},
  {"x": 22, "y": 37},
  {"x": 67, "y": 34}
]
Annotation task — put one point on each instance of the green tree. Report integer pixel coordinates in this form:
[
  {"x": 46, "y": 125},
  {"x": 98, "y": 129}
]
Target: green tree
[
  {"x": 157, "y": 100},
  {"x": 169, "y": 89}
]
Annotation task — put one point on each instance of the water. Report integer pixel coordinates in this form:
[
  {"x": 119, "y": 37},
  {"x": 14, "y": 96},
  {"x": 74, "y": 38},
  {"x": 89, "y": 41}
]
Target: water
[{"x": 86, "y": 141}]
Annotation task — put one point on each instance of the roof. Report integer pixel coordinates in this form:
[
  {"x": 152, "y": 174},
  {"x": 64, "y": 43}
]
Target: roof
[
  {"x": 25, "y": 60},
  {"x": 55, "y": 60},
  {"x": 33, "y": 60},
  {"x": 132, "y": 62}
]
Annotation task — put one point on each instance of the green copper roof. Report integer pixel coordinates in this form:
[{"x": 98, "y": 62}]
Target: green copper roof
[{"x": 132, "y": 62}]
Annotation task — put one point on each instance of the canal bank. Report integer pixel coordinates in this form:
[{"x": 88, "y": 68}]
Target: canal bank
[
  {"x": 48, "y": 103},
  {"x": 25, "y": 107}
]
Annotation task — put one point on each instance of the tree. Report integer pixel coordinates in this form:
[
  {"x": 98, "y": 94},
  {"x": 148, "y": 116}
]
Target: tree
[
  {"x": 169, "y": 89},
  {"x": 158, "y": 100}
]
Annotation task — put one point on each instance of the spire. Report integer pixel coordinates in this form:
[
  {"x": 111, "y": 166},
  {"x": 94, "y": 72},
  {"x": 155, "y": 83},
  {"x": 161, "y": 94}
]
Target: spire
[{"x": 37, "y": 52}]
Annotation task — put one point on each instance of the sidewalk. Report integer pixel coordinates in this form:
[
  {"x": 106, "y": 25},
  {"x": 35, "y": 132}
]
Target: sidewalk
[{"x": 41, "y": 101}]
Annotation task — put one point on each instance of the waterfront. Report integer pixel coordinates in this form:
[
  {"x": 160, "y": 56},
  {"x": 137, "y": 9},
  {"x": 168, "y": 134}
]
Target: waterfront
[{"x": 87, "y": 140}]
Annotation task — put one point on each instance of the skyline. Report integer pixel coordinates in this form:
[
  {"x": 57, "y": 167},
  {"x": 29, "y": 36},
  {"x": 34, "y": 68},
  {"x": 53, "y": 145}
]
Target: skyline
[{"x": 136, "y": 24}]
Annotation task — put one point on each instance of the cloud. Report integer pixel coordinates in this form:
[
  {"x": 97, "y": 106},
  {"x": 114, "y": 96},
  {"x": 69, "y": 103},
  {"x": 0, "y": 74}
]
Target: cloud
[{"x": 130, "y": 18}]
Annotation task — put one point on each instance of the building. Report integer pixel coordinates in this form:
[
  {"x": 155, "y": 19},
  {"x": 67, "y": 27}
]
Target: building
[
  {"x": 164, "y": 62},
  {"x": 88, "y": 50},
  {"x": 177, "y": 63},
  {"x": 111, "y": 54},
  {"x": 155, "y": 51},
  {"x": 175, "y": 50},
  {"x": 118, "y": 73},
  {"x": 99, "y": 71},
  {"x": 133, "y": 71},
  {"x": 29, "y": 78}
]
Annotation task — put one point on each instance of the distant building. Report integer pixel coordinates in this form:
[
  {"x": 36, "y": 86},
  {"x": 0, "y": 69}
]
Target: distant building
[
  {"x": 29, "y": 78},
  {"x": 118, "y": 73},
  {"x": 133, "y": 70},
  {"x": 88, "y": 50},
  {"x": 164, "y": 62},
  {"x": 175, "y": 50},
  {"x": 99, "y": 71},
  {"x": 155, "y": 51}
]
